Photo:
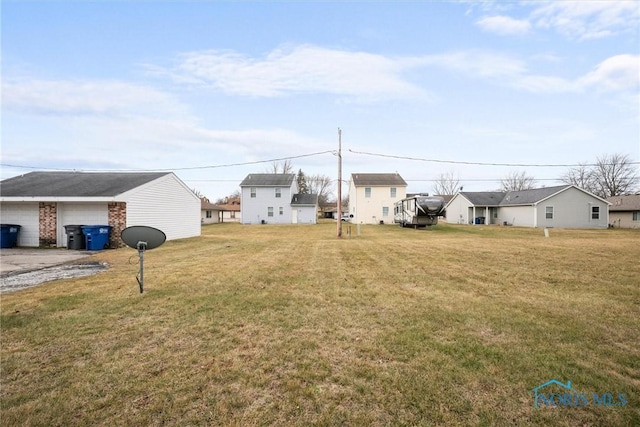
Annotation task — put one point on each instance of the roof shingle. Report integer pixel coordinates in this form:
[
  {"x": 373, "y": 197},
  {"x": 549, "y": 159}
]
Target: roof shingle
[
  {"x": 378, "y": 179},
  {"x": 75, "y": 184}
]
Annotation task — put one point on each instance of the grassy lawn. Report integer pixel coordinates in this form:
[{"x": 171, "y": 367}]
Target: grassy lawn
[{"x": 288, "y": 325}]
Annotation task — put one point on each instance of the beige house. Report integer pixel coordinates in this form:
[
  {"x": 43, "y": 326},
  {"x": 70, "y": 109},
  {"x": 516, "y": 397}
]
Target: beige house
[
  {"x": 372, "y": 196},
  {"x": 624, "y": 211}
]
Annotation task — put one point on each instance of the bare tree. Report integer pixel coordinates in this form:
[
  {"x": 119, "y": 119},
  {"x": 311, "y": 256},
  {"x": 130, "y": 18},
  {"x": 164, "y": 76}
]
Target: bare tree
[
  {"x": 283, "y": 166},
  {"x": 582, "y": 176},
  {"x": 615, "y": 175},
  {"x": 517, "y": 181},
  {"x": 320, "y": 185},
  {"x": 611, "y": 175},
  {"x": 447, "y": 183}
]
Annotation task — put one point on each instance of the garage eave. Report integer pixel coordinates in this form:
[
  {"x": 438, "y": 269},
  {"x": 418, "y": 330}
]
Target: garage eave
[{"x": 59, "y": 199}]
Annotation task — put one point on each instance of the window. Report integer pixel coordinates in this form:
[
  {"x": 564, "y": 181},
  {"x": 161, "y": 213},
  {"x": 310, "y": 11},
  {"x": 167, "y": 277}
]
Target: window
[
  {"x": 208, "y": 214},
  {"x": 270, "y": 211},
  {"x": 232, "y": 214},
  {"x": 595, "y": 212},
  {"x": 278, "y": 193},
  {"x": 393, "y": 191},
  {"x": 281, "y": 210},
  {"x": 385, "y": 211},
  {"x": 548, "y": 212},
  {"x": 636, "y": 215},
  {"x": 367, "y": 192},
  {"x": 253, "y": 193}
]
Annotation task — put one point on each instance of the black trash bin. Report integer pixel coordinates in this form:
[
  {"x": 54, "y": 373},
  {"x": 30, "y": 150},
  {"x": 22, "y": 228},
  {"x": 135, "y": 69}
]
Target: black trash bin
[{"x": 75, "y": 237}]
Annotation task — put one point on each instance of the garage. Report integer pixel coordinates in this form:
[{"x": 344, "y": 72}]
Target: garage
[
  {"x": 25, "y": 215},
  {"x": 80, "y": 214}
]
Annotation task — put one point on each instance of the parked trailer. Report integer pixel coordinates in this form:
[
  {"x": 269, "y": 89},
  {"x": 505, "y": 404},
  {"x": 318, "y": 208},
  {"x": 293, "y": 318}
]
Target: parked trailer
[{"x": 418, "y": 211}]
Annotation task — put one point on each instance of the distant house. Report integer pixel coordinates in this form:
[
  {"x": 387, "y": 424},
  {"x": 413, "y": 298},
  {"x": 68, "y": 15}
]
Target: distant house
[
  {"x": 230, "y": 210},
  {"x": 268, "y": 198},
  {"x": 565, "y": 206},
  {"x": 624, "y": 211},
  {"x": 372, "y": 196},
  {"x": 44, "y": 202},
  {"x": 209, "y": 213}
]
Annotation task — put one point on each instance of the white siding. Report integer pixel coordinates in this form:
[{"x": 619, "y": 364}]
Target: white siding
[
  {"x": 167, "y": 204},
  {"x": 458, "y": 210},
  {"x": 306, "y": 214},
  {"x": 255, "y": 209},
  {"x": 369, "y": 210},
  {"x": 519, "y": 216},
  {"x": 26, "y": 215},
  {"x": 79, "y": 214},
  {"x": 214, "y": 219}
]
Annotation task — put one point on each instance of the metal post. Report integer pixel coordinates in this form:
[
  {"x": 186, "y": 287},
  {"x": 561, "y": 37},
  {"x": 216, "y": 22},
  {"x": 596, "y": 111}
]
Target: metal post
[
  {"x": 339, "y": 204},
  {"x": 141, "y": 248}
]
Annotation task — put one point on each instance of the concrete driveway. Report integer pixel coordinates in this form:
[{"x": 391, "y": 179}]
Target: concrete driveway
[
  {"x": 17, "y": 260},
  {"x": 24, "y": 268}
]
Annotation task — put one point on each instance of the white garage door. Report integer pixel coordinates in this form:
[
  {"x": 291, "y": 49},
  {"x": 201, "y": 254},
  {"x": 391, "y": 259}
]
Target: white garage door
[
  {"x": 26, "y": 215},
  {"x": 80, "y": 214}
]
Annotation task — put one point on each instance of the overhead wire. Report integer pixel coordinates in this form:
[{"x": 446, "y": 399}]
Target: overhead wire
[{"x": 461, "y": 162}]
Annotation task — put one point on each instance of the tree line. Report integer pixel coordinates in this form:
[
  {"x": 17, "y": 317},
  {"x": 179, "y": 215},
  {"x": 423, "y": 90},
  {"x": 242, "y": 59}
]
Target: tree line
[{"x": 610, "y": 175}]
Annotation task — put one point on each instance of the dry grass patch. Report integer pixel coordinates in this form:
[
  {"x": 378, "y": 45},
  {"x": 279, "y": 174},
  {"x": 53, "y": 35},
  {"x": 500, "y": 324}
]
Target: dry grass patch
[{"x": 287, "y": 325}]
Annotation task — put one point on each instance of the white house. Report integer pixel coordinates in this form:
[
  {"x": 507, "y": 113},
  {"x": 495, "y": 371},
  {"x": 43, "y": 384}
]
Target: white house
[
  {"x": 44, "y": 202},
  {"x": 372, "y": 196},
  {"x": 565, "y": 206},
  {"x": 210, "y": 213},
  {"x": 268, "y": 198}
]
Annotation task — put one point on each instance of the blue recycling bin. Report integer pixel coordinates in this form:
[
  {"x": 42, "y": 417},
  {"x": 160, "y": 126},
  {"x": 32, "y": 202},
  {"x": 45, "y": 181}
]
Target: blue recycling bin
[
  {"x": 96, "y": 237},
  {"x": 9, "y": 235}
]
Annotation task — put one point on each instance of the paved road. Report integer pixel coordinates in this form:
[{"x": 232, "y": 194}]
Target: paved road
[{"x": 16, "y": 260}]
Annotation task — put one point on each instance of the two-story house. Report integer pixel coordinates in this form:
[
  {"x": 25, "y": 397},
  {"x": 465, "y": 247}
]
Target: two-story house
[
  {"x": 372, "y": 196},
  {"x": 268, "y": 198}
]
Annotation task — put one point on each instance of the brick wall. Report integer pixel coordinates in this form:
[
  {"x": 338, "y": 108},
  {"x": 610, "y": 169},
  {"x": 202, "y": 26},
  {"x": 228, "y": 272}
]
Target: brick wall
[
  {"x": 48, "y": 214},
  {"x": 118, "y": 222}
]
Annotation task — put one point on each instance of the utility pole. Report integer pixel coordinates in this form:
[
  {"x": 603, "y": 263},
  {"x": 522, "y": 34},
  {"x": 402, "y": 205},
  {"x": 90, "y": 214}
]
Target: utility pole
[{"x": 339, "y": 204}]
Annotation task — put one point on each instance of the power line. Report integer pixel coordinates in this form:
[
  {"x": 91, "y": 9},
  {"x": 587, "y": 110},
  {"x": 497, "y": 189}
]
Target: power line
[
  {"x": 460, "y": 162},
  {"x": 172, "y": 169}
]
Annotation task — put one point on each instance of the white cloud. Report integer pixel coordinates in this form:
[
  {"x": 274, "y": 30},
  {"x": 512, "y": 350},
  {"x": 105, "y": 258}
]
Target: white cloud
[
  {"x": 574, "y": 19},
  {"x": 297, "y": 69},
  {"x": 85, "y": 97},
  {"x": 584, "y": 20},
  {"x": 618, "y": 73},
  {"x": 504, "y": 25}
]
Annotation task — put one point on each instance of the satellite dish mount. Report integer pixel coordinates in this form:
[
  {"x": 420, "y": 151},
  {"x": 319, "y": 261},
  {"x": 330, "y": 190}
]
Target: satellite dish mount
[{"x": 142, "y": 238}]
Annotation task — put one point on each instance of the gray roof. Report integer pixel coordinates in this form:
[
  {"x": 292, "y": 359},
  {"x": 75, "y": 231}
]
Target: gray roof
[
  {"x": 304, "y": 199},
  {"x": 268, "y": 180},
  {"x": 377, "y": 179},
  {"x": 529, "y": 197},
  {"x": 484, "y": 198},
  {"x": 512, "y": 198},
  {"x": 630, "y": 202},
  {"x": 75, "y": 184}
]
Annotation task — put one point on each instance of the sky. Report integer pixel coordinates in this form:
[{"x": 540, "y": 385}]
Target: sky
[{"x": 213, "y": 91}]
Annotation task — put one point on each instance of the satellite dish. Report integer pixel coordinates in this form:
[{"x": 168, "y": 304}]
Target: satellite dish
[
  {"x": 142, "y": 238},
  {"x": 141, "y": 234}
]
